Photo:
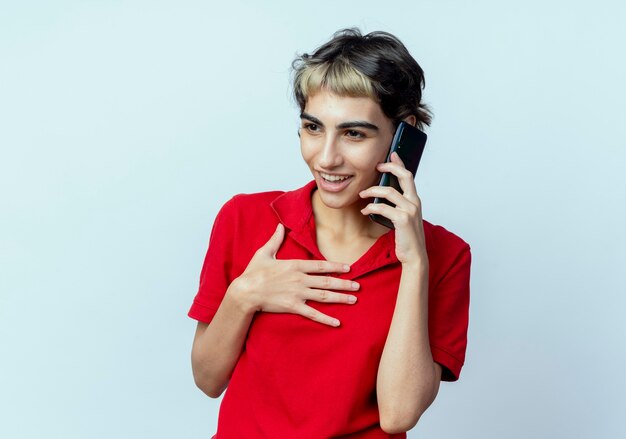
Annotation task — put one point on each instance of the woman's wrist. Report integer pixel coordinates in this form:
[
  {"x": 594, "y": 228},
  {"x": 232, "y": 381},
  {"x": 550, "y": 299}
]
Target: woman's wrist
[
  {"x": 420, "y": 263},
  {"x": 242, "y": 295}
]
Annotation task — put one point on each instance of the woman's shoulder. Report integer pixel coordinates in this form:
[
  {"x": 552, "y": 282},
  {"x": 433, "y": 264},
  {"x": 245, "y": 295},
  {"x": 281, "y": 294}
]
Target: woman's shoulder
[
  {"x": 256, "y": 198},
  {"x": 448, "y": 253},
  {"x": 250, "y": 206},
  {"x": 277, "y": 201},
  {"x": 253, "y": 204},
  {"x": 439, "y": 238}
]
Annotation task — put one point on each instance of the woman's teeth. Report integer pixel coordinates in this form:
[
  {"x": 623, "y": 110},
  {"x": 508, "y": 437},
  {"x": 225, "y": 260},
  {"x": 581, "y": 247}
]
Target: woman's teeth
[{"x": 333, "y": 177}]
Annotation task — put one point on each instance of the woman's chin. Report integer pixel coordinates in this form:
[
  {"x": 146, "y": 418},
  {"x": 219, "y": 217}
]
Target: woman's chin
[{"x": 339, "y": 201}]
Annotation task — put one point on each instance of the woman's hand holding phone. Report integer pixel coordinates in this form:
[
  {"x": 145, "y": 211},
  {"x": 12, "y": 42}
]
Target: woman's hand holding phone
[
  {"x": 283, "y": 286},
  {"x": 406, "y": 215}
]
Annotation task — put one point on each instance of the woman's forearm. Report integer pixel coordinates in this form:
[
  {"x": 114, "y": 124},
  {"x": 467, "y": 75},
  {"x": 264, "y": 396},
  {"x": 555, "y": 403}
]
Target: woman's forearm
[
  {"x": 216, "y": 351},
  {"x": 406, "y": 383}
]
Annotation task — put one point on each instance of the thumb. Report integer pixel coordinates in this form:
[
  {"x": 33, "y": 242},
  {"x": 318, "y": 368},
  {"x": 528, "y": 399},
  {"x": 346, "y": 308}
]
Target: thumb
[{"x": 273, "y": 244}]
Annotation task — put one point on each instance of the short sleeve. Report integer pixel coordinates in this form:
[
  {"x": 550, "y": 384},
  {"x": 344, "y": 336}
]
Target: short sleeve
[
  {"x": 215, "y": 276},
  {"x": 448, "y": 314}
]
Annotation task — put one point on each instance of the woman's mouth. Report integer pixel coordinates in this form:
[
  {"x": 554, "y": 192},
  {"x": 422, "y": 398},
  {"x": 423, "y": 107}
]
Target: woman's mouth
[{"x": 334, "y": 183}]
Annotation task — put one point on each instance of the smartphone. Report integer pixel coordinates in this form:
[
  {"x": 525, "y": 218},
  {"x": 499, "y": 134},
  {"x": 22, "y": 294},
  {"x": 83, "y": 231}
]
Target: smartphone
[{"x": 409, "y": 143}]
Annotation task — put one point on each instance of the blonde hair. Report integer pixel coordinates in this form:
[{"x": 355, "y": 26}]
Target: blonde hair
[{"x": 339, "y": 78}]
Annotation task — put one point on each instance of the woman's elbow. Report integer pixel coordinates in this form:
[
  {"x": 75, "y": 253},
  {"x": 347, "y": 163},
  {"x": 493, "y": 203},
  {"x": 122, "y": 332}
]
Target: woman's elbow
[
  {"x": 205, "y": 381},
  {"x": 401, "y": 419},
  {"x": 396, "y": 426},
  {"x": 208, "y": 388}
]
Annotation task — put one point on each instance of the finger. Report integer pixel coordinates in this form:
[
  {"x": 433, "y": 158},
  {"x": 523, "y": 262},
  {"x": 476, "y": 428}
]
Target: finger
[
  {"x": 406, "y": 179},
  {"x": 395, "y": 166},
  {"x": 320, "y": 266},
  {"x": 388, "y": 193},
  {"x": 395, "y": 158},
  {"x": 273, "y": 244},
  {"x": 313, "y": 314},
  {"x": 397, "y": 216},
  {"x": 327, "y": 296},
  {"x": 330, "y": 283}
]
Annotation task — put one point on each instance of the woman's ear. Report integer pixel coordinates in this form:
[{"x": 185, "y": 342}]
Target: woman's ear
[{"x": 411, "y": 120}]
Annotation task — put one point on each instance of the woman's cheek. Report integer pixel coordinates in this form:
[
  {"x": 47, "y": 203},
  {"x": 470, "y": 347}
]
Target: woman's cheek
[{"x": 306, "y": 152}]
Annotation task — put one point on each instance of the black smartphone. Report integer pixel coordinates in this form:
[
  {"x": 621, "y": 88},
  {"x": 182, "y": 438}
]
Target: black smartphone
[{"x": 409, "y": 143}]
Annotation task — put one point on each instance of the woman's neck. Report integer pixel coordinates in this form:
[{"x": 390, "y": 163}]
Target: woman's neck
[{"x": 344, "y": 224}]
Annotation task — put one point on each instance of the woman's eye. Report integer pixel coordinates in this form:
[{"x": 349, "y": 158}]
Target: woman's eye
[
  {"x": 355, "y": 134},
  {"x": 311, "y": 127}
]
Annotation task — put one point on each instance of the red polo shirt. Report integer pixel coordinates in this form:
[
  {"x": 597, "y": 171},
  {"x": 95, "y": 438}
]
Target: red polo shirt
[{"x": 297, "y": 378}]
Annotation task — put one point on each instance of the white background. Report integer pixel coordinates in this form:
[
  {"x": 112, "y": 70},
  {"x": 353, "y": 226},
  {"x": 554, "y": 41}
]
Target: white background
[{"x": 125, "y": 125}]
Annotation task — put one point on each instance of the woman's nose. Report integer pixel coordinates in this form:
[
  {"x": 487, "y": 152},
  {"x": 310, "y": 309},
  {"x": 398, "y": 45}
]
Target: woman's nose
[{"x": 331, "y": 155}]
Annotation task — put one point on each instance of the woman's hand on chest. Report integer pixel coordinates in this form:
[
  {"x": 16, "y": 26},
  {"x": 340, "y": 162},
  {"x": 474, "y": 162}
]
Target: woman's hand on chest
[{"x": 283, "y": 286}]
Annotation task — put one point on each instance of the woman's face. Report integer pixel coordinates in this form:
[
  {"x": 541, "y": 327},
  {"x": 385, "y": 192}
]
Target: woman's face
[{"x": 344, "y": 136}]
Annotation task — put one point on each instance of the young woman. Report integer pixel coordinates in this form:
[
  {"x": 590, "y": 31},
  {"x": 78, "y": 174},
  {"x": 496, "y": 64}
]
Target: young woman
[{"x": 321, "y": 322}]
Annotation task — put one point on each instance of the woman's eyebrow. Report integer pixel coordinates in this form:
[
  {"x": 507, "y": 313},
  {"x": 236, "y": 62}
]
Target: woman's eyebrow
[
  {"x": 343, "y": 125},
  {"x": 358, "y": 124}
]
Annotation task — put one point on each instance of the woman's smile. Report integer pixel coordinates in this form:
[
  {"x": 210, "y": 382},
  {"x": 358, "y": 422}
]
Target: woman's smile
[{"x": 334, "y": 184}]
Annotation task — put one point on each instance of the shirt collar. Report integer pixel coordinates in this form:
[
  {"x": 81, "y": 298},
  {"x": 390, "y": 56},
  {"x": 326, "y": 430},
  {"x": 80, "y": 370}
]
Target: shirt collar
[{"x": 293, "y": 208}]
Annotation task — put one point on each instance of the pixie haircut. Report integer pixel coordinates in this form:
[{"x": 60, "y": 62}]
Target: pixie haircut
[{"x": 376, "y": 65}]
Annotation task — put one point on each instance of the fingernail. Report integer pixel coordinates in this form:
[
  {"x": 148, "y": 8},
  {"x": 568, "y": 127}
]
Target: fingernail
[
  {"x": 346, "y": 267},
  {"x": 335, "y": 322},
  {"x": 355, "y": 285},
  {"x": 351, "y": 299}
]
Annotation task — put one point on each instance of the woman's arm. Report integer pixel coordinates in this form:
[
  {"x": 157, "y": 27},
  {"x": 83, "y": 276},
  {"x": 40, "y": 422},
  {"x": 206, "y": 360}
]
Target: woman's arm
[
  {"x": 218, "y": 345},
  {"x": 408, "y": 378},
  {"x": 270, "y": 285}
]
